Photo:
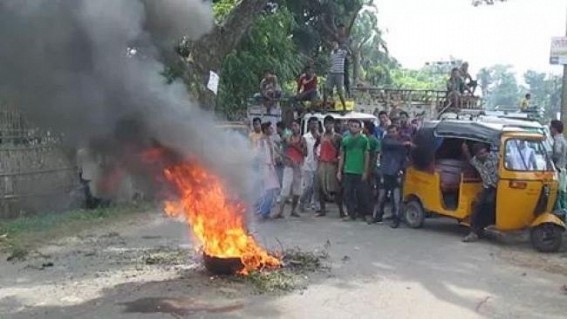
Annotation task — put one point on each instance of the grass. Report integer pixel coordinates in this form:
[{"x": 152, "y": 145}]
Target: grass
[
  {"x": 19, "y": 236},
  {"x": 296, "y": 266}
]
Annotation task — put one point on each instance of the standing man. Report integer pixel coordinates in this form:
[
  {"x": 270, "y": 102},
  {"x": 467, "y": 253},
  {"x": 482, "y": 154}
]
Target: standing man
[
  {"x": 382, "y": 129},
  {"x": 392, "y": 163},
  {"x": 486, "y": 163},
  {"x": 327, "y": 184},
  {"x": 268, "y": 176},
  {"x": 282, "y": 134},
  {"x": 353, "y": 171},
  {"x": 336, "y": 75},
  {"x": 373, "y": 150},
  {"x": 310, "y": 165},
  {"x": 407, "y": 130},
  {"x": 256, "y": 133},
  {"x": 296, "y": 150},
  {"x": 559, "y": 157}
]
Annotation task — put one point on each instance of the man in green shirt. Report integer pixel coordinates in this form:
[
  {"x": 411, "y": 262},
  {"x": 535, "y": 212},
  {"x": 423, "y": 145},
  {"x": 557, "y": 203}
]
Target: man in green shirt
[{"x": 354, "y": 171}]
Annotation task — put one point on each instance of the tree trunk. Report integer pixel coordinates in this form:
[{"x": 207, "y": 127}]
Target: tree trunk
[
  {"x": 355, "y": 67},
  {"x": 209, "y": 51}
]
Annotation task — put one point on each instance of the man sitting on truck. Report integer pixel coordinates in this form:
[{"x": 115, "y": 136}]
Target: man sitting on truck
[
  {"x": 270, "y": 90},
  {"x": 307, "y": 86},
  {"x": 469, "y": 84}
]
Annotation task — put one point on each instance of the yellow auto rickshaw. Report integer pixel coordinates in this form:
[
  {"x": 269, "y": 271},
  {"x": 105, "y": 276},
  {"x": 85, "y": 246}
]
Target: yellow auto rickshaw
[{"x": 441, "y": 182}]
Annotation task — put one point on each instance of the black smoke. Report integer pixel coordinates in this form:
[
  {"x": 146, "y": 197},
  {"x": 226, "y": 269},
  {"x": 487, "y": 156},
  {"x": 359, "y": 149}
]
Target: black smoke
[{"x": 67, "y": 65}]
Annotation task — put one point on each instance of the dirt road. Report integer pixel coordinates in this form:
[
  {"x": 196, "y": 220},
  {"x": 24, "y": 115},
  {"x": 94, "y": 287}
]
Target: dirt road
[{"x": 143, "y": 269}]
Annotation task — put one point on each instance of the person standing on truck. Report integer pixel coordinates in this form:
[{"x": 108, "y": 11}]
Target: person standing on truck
[
  {"x": 484, "y": 212},
  {"x": 308, "y": 196},
  {"x": 392, "y": 162},
  {"x": 327, "y": 185},
  {"x": 336, "y": 75},
  {"x": 353, "y": 171},
  {"x": 559, "y": 157},
  {"x": 344, "y": 43},
  {"x": 296, "y": 150}
]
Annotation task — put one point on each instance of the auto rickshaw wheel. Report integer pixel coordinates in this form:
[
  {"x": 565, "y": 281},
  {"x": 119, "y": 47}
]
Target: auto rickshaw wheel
[
  {"x": 547, "y": 237},
  {"x": 414, "y": 214}
]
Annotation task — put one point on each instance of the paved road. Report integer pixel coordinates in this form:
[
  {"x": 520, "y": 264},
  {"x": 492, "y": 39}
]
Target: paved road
[{"x": 387, "y": 273}]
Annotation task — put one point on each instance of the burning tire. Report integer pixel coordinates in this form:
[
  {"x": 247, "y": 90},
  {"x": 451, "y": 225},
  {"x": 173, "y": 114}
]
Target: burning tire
[{"x": 222, "y": 266}]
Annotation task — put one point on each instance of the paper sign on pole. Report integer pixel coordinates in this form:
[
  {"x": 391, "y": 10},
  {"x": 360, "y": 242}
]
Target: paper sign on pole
[
  {"x": 213, "y": 84},
  {"x": 558, "y": 54}
]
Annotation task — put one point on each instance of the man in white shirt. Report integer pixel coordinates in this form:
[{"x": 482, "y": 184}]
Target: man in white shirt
[{"x": 309, "y": 165}]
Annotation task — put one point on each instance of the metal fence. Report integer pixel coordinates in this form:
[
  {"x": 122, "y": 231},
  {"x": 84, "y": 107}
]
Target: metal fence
[{"x": 35, "y": 173}]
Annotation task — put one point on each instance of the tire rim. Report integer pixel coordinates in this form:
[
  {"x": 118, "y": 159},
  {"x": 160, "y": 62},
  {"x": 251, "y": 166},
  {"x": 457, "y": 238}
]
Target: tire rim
[{"x": 411, "y": 214}]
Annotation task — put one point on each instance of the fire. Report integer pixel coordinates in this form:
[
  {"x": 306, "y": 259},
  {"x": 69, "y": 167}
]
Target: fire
[{"x": 216, "y": 221}]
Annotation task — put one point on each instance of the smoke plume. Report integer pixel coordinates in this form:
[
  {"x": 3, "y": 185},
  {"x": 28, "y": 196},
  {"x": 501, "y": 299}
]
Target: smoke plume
[{"x": 64, "y": 63}]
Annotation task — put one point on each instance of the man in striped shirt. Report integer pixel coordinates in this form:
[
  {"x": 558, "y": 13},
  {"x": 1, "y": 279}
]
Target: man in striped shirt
[{"x": 336, "y": 75}]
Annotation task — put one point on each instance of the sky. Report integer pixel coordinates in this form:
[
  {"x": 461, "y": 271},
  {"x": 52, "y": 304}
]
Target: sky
[{"x": 516, "y": 32}]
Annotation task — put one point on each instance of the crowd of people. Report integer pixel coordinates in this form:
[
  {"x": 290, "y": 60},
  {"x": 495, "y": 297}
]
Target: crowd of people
[
  {"x": 354, "y": 164},
  {"x": 360, "y": 165}
]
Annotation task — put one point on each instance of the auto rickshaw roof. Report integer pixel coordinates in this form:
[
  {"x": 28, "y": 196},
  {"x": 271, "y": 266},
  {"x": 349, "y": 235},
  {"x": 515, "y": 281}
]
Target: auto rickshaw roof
[{"x": 477, "y": 131}]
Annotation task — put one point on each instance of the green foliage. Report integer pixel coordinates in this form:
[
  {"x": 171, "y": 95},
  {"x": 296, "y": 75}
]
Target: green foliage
[
  {"x": 423, "y": 79},
  {"x": 221, "y": 9},
  {"x": 499, "y": 87},
  {"x": 267, "y": 46},
  {"x": 545, "y": 90}
]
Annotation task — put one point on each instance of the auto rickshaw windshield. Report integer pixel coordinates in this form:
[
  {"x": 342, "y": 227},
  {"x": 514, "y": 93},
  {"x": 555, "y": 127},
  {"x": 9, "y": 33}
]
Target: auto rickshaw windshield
[{"x": 528, "y": 155}]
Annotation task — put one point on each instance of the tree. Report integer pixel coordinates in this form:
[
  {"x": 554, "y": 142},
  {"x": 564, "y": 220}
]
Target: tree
[
  {"x": 499, "y": 87},
  {"x": 423, "y": 79},
  {"x": 192, "y": 60},
  {"x": 545, "y": 91},
  {"x": 484, "y": 78},
  {"x": 282, "y": 35},
  {"x": 266, "y": 46},
  {"x": 366, "y": 42}
]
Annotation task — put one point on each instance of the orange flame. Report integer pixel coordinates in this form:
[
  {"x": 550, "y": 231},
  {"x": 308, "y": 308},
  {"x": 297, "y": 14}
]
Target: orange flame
[{"x": 216, "y": 221}]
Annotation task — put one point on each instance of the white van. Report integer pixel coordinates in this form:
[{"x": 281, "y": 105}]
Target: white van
[{"x": 363, "y": 117}]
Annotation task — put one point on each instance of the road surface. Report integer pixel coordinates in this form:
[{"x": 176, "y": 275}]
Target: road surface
[{"x": 376, "y": 272}]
